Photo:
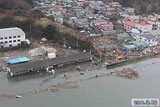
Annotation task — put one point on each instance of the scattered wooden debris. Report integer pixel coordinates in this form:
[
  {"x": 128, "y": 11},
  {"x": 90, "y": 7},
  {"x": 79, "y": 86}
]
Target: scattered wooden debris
[
  {"x": 66, "y": 85},
  {"x": 50, "y": 89},
  {"x": 127, "y": 73},
  {"x": 10, "y": 96},
  {"x": 47, "y": 79}
]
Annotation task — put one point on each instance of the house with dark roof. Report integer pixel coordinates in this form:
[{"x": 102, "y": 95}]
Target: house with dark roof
[
  {"x": 81, "y": 23},
  {"x": 97, "y": 22},
  {"x": 94, "y": 32},
  {"x": 150, "y": 39}
]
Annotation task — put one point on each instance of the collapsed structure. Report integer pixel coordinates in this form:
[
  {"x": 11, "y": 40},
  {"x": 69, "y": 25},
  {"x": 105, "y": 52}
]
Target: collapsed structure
[{"x": 43, "y": 65}]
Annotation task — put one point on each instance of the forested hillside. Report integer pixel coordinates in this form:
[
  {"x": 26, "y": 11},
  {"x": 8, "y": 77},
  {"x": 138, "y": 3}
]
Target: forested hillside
[
  {"x": 16, "y": 4},
  {"x": 19, "y": 13},
  {"x": 142, "y": 6}
]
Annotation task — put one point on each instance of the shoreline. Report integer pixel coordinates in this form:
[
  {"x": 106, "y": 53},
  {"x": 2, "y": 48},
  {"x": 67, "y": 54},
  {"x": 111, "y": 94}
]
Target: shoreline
[{"x": 129, "y": 61}]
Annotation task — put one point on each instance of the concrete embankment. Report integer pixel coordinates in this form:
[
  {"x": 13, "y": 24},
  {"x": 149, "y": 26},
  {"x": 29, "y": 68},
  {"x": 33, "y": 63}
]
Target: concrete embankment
[
  {"x": 14, "y": 48},
  {"x": 133, "y": 60}
]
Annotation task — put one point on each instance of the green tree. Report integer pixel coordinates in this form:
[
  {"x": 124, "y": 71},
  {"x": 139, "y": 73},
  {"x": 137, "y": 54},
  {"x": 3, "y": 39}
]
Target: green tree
[
  {"x": 50, "y": 32},
  {"x": 7, "y": 22},
  {"x": 68, "y": 25}
]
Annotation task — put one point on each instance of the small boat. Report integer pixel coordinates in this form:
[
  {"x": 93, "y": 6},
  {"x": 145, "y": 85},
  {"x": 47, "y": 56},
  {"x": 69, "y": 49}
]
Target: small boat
[
  {"x": 82, "y": 73},
  {"x": 53, "y": 72},
  {"x": 78, "y": 68},
  {"x": 11, "y": 74},
  {"x": 67, "y": 75},
  {"x": 18, "y": 96}
]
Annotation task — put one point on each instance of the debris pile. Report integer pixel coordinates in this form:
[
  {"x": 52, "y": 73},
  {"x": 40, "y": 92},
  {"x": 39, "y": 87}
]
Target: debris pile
[
  {"x": 66, "y": 85},
  {"x": 47, "y": 79},
  {"x": 9, "y": 96},
  {"x": 50, "y": 89},
  {"x": 127, "y": 73}
]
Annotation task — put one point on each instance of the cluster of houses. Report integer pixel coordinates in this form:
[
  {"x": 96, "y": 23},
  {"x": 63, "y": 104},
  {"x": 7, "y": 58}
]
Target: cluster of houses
[
  {"x": 96, "y": 18},
  {"x": 88, "y": 16},
  {"x": 145, "y": 30},
  {"x": 116, "y": 30}
]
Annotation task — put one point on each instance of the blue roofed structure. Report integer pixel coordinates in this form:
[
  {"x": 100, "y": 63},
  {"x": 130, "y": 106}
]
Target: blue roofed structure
[
  {"x": 19, "y": 60},
  {"x": 13, "y": 61},
  {"x": 67, "y": 4},
  {"x": 140, "y": 44},
  {"x": 129, "y": 47},
  {"x": 96, "y": 4},
  {"x": 102, "y": 9},
  {"x": 24, "y": 59}
]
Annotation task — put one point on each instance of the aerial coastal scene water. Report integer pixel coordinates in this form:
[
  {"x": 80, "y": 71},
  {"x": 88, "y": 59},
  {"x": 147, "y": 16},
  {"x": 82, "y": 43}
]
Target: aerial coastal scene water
[
  {"x": 79, "y": 53},
  {"x": 84, "y": 90}
]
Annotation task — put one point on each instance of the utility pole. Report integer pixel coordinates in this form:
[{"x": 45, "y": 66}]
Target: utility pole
[
  {"x": 100, "y": 55},
  {"x": 77, "y": 43},
  {"x": 30, "y": 28},
  {"x": 90, "y": 46}
]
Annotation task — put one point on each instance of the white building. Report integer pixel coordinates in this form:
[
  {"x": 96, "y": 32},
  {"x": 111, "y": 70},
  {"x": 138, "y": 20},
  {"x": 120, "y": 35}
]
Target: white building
[
  {"x": 110, "y": 8},
  {"x": 142, "y": 26},
  {"x": 150, "y": 39},
  {"x": 130, "y": 10},
  {"x": 153, "y": 20},
  {"x": 133, "y": 18},
  {"x": 58, "y": 18},
  {"x": 115, "y": 4},
  {"x": 107, "y": 27},
  {"x": 11, "y": 37}
]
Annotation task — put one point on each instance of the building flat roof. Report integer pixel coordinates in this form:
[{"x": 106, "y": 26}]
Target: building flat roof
[
  {"x": 13, "y": 61},
  {"x": 19, "y": 60},
  {"x": 148, "y": 36},
  {"x": 23, "y": 59}
]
